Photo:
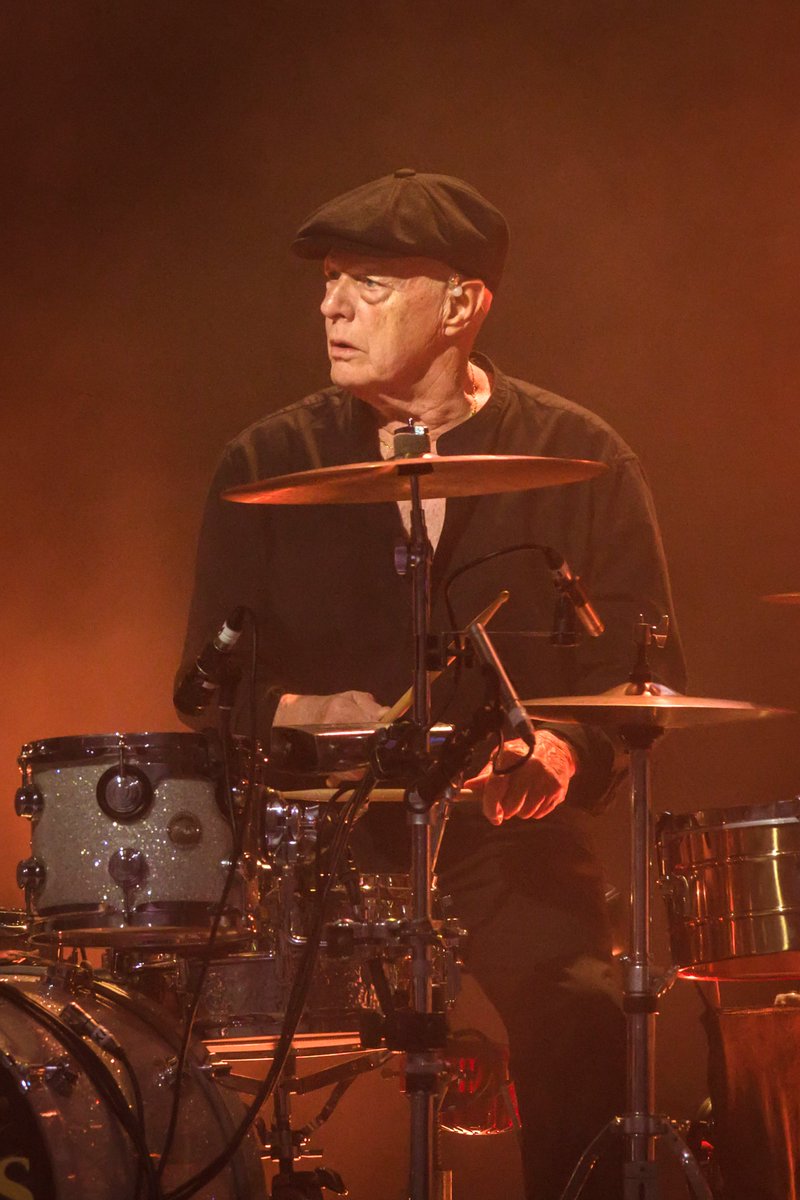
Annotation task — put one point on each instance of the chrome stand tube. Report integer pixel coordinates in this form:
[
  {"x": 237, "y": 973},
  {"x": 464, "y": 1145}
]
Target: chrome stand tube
[
  {"x": 640, "y": 1126},
  {"x": 423, "y": 1067}
]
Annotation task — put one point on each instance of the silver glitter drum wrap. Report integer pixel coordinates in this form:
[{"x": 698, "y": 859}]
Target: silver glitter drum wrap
[
  {"x": 246, "y": 995},
  {"x": 65, "y": 1141},
  {"x": 153, "y": 878}
]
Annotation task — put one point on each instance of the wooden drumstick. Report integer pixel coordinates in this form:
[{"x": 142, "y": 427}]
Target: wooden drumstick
[{"x": 402, "y": 705}]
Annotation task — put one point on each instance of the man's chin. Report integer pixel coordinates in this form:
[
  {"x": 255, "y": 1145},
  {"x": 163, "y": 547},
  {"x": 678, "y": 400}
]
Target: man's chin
[{"x": 344, "y": 376}]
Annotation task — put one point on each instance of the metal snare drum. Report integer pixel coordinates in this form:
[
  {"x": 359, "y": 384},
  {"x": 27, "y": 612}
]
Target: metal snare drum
[
  {"x": 731, "y": 880},
  {"x": 129, "y": 840},
  {"x": 245, "y": 997},
  {"x": 59, "y": 1138}
]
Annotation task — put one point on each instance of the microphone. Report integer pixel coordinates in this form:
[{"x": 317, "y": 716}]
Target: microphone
[
  {"x": 194, "y": 692},
  {"x": 512, "y": 706},
  {"x": 570, "y": 585},
  {"x": 80, "y": 1022}
]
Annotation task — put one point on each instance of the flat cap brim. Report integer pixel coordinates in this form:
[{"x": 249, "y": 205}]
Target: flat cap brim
[{"x": 410, "y": 214}]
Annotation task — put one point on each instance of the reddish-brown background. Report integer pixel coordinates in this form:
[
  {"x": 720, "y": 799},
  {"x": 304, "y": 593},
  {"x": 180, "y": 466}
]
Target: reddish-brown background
[{"x": 156, "y": 159}]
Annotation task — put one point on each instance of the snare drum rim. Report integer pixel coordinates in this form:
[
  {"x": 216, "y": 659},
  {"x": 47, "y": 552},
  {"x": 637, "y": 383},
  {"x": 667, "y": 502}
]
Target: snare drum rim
[{"x": 187, "y": 750}]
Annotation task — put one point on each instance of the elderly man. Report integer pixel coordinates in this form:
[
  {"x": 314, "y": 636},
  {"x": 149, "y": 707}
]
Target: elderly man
[{"x": 411, "y": 263}]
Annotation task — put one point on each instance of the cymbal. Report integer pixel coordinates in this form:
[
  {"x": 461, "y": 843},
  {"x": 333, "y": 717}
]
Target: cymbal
[
  {"x": 439, "y": 475},
  {"x": 652, "y": 705},
  {"x": 783, "y": 598}
]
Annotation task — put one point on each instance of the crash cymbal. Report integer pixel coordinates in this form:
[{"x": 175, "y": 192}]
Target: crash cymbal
[
  {"x": 783, "y": 598},
  {"x": 654, "y": 705},
  {"x": 446, "y": 475}
]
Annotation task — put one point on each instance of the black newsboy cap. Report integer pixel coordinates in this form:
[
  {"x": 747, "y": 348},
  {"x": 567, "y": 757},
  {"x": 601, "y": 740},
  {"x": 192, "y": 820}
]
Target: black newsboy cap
[{"x": 412, "y": 213}]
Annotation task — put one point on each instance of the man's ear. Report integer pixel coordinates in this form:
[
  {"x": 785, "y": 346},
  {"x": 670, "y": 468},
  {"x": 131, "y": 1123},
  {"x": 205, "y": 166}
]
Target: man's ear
[{"x": 467, "y": 302}]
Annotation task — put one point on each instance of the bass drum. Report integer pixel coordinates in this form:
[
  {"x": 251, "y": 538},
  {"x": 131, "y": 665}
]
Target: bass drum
[{"x": 59, "y": 1139}]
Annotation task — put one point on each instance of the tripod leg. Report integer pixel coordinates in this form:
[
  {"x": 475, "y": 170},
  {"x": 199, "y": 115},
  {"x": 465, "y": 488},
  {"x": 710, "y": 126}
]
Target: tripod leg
[
  {"x": 695, "y": 1181},
  {"x": 590, "y": 1158}
]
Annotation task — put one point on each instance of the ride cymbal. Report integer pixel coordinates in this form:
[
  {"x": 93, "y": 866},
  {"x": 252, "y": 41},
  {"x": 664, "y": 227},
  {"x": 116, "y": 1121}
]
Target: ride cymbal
[
  {"x": 439, "y": 476},
  {"x": 651, "y": 705}
]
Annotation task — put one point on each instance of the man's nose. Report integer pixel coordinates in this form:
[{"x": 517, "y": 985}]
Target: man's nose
[{"x": 337, "y": 301}]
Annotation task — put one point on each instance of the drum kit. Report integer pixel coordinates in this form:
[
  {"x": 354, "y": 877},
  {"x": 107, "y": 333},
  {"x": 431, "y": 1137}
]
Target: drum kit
[{"x": 182, "y": 917}]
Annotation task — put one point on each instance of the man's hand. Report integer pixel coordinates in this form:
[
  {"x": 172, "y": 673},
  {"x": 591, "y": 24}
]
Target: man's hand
[
  {"x": 535, "y": 788},
  {"x": 340, "y": 708}
]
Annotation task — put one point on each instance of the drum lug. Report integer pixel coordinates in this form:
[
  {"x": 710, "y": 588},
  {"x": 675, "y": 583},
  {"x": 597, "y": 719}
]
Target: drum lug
[
  {"x": 128, "y": 867},
  {"x": 79, "y": 978},
  {"x": 57, "y": 1073},
  {"x": 22, "y": 1072},
  {"x": 674, "y": 888},
  {"x": 166, "y": 1076},
  {"x": 29, "y": 801},
  {"x": 31, "y": 874}
]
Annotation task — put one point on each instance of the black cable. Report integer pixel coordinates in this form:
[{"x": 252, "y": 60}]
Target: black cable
[
  {"x": 205, "y": 964},
  {"x": 138, "y": 1100},
  {"x": 296, "y": 1001},
  {"x": 98, "y": 1072},
  {"x": 292, "y": 1017},
  {"x": 237, "y": 834},
  {"x": 477, "y": 562}
]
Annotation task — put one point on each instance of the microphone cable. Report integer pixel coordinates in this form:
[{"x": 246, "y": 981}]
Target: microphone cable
[
  {"x": 297, "y": 996},
  {"x": 238, "y": 829}
]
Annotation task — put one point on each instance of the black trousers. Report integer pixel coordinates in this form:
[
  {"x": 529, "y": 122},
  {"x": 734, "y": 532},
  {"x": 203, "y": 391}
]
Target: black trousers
[
  {"x": 567, "y": 1044},
  {"x": 540, "y": 947},
  {"x": 531, "y": 895}
]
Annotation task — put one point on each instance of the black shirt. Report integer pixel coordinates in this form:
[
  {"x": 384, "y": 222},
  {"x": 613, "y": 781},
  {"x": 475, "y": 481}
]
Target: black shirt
[{"x": 333, "y": 614}]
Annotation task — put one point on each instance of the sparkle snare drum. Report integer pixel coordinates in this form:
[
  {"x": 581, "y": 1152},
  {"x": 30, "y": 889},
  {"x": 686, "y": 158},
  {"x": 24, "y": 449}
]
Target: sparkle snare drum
[
  {"x": 245, "y": 996},
  {"x": 59, "y": 1138},
  {"x": 731, "y": 880},
  {"x": 129, "y": 839}
]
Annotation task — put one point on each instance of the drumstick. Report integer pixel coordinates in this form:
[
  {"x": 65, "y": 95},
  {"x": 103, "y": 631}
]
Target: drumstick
[{"x": 402, "y": 705}]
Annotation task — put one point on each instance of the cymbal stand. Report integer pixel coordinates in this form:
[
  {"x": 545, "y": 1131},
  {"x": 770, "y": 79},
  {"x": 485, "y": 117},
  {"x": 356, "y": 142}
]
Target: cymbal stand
[
  {"x": 640, "y": 1126},
  {"x": 424, "y": 1064}
]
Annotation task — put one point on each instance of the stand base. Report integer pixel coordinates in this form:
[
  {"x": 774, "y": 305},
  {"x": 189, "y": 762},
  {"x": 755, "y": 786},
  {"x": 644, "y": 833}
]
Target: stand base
[
  {"x": 306, "y": 1185},
  {"x": 641, "y": 1180}
]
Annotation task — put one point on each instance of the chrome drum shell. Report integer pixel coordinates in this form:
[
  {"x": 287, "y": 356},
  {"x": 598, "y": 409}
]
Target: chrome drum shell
[{"x": 731, "y": 882}]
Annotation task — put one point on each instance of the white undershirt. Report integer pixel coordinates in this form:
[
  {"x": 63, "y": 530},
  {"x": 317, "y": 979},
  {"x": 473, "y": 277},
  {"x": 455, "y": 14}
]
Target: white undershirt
[{"x": 434, "y": 509}]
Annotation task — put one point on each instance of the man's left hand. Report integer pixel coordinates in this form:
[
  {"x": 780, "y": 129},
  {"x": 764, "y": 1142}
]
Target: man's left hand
[{"x": 534, "y": 788}]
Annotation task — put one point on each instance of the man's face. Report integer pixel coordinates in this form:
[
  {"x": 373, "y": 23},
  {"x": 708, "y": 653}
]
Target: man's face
[{"x": 383, "y": 321}]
